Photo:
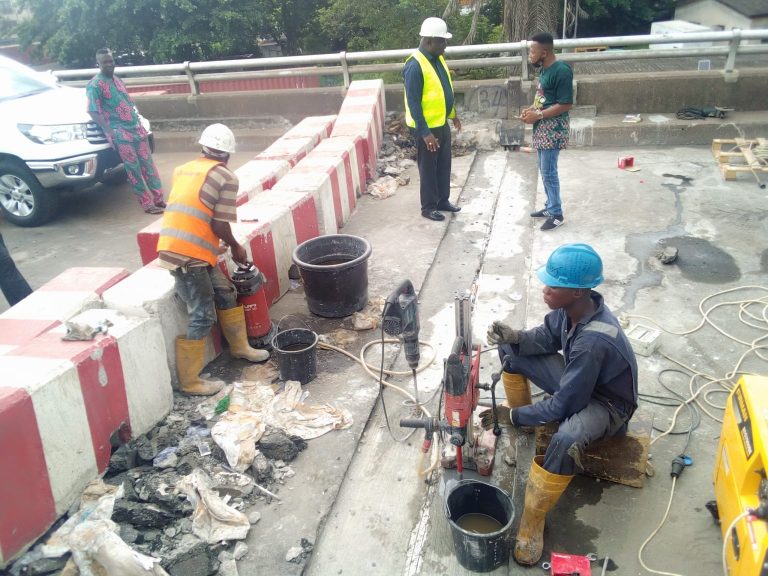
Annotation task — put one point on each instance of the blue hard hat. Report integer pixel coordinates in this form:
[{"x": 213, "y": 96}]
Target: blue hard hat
[{"x": 572, "y": 266}]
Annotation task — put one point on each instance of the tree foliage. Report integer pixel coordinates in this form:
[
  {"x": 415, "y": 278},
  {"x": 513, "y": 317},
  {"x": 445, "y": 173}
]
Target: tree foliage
[{"x": 177, "y": 30}]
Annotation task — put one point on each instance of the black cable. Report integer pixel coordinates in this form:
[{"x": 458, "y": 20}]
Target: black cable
[{"x": 381, "y": 395}]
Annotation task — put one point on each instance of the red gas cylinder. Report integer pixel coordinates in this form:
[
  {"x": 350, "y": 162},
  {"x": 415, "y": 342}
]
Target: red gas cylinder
[{"x": 249, "y": 282}]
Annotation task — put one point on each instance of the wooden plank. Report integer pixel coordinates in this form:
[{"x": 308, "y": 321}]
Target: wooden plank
[{"x": 620, "y": 459}]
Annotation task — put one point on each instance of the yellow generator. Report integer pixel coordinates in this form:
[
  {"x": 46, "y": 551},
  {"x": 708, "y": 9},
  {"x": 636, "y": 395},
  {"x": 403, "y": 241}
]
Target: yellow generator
[{"x": 740, "y": 477}]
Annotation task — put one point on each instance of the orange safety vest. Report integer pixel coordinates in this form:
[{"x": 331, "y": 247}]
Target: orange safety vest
[{"x": 187, "y": 221}]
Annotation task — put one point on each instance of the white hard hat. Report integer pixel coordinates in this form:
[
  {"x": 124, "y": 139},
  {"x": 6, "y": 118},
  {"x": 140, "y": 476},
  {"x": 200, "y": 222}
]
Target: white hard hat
[
  {"x": 435, "y": 28},
  {"x": 218, "y": 137}
]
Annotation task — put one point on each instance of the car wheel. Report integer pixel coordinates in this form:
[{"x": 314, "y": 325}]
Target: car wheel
[{"x": 22, "y": 200}]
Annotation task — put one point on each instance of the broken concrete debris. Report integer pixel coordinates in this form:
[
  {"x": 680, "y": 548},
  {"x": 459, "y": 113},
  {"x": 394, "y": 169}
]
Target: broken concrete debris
[{"x": 181, "y": 513}]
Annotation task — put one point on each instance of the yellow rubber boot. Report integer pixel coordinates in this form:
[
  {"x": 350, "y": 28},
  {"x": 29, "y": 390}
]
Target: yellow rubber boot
[
  {"x": 517, "y": 389},
  {"x": 190, "y": 358},
  {"x": 232, "y": 322},
  {"x": 541, "y": 494}
]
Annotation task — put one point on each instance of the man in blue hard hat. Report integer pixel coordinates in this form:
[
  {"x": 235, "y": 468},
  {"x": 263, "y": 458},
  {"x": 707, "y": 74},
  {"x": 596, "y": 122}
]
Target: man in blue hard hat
[{"x": 582, "y": 358}]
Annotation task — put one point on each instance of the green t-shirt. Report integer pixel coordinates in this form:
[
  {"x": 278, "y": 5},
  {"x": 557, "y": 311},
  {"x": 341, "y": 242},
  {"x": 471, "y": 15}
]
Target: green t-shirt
[{"x": 555, "y": 87}]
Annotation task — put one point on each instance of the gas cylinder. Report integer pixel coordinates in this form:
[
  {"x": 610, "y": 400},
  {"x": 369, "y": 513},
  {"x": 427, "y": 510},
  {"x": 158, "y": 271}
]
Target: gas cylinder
[{"x": 249, "y": 282}]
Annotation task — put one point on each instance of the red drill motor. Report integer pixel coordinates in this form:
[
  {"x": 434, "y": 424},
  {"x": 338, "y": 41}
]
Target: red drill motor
[
  {"x": 461, "y": 393},
  {"x": 249, "y": 282}
]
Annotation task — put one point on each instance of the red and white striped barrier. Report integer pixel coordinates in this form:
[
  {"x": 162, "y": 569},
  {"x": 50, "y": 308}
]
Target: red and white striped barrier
[
  {"x": 60, "y": 409},
  {"x": 351, "y": 151},
  {"x": 71, "y": 292},
  {"x": 316, "y": 127},
  {"x": 362, "y": 114},
  {"x": 342, "y": 187},
  {"x": 256, "y": 175}
]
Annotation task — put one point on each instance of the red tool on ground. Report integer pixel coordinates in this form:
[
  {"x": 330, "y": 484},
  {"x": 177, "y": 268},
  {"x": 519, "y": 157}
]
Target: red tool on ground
[
  {"x": 568, "y": 565},
  {"x": 249, "y": 282}
]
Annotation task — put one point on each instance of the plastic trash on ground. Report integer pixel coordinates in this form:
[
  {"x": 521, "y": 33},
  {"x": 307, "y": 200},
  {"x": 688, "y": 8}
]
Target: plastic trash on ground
[
  {"x": 237, "y": 433},
  {"x": 384, "y": 187},
  {"x": 93, "y": 540},
  {"x": 213, "y": 520},
  {"x": 289, "y": 413}
]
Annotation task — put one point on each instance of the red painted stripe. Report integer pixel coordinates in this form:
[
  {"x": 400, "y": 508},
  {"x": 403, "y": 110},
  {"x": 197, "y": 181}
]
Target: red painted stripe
[
  {"x": 103, "y": 387},
  {"x": 27, "y": 508},
  {"x": 16, "y": 331},
  {"x": 263, "y": 254},
  {"x": 337, "y": 207},
  {"x": 147, "y": 240},
  {"x": 305, "y": 220},
  {"x": 352, "y": 192},
  {"x": 86, "y": 279}
]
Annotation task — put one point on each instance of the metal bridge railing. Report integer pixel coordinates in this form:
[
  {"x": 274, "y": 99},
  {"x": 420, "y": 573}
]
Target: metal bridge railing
[{"x": 345, "y": 64}]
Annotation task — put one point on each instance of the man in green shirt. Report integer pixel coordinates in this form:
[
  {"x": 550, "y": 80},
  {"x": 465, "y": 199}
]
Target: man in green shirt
[{"x": 549, "y": 116}]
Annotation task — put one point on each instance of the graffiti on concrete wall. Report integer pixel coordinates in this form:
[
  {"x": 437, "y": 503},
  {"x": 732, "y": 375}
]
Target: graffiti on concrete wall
[{"x": 489, "y": 101}]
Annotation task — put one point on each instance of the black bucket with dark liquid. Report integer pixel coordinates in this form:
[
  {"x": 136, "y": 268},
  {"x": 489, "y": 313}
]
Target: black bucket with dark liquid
[
  {"x": 296, "y": 351},
  {"x": 334, "y": 271},
  {"x": 480, "y": 516}
]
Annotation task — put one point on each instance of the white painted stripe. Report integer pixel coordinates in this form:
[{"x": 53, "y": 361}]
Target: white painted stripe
[{"x": 53, "y": 305}]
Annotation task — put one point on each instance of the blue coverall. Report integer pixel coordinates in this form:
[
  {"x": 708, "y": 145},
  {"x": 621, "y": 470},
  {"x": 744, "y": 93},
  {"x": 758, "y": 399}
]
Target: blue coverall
[{"x": 593, "y": 383}]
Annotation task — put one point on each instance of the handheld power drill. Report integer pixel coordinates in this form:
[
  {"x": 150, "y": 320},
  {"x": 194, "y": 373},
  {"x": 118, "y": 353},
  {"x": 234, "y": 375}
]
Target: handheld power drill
[{"x": 401, "y": 319}]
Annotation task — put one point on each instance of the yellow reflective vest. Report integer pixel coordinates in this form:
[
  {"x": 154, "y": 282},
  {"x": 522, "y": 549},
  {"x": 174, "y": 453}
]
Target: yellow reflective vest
[
  {"x": 186, "y": 226},
  {"x": 432, "y": 97}
]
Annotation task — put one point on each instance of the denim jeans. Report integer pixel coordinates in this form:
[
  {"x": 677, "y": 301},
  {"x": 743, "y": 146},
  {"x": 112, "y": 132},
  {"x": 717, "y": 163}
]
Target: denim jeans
[
  {"x": 12, "y": 283},
  {"x": 597, "y": 420},
  {"x": 203, "y": 289},
  {"x": 547, "y": 159}
]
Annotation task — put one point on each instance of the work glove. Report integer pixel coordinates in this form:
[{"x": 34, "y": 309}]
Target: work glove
[
  {"x": 499, "y": 333},
  {"x": 504, "y": 416}
]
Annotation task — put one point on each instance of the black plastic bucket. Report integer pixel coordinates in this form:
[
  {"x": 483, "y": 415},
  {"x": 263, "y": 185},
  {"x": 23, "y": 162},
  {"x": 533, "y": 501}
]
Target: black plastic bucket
[
  {"x": 334, "y": 270},
  {"x": 296, "y": 354},
  {"x": 474, "y": 551}
]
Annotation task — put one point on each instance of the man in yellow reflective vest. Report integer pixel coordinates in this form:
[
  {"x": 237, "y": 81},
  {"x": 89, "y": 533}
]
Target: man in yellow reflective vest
[
  {"x": 429, "y": 103},
  {"x": 200, "y": 208}
]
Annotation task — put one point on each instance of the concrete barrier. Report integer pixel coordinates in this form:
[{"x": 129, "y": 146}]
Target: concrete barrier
[
  {"x": 351, "y": 151},
  {"x": 71, "y": 292},
  {"x": 363, "y": 117},
  {"x": 258, "y": 175},
  {"x": 342, "y": 187},
  {"x": 61, "y": 404}
]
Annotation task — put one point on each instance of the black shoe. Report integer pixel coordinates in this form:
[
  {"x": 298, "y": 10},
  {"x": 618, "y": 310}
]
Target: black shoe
[
  {"x": 448, "y": 207},
  {"x": 543, "y": 213},
  {"x": 432, "y": 215},
  {"x": 553, "y": 222}
]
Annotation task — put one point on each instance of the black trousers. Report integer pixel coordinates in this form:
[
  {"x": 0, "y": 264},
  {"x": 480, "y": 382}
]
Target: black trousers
[
  {"x": 434, "y": 169},
  {"x": 12, "y": 283}
]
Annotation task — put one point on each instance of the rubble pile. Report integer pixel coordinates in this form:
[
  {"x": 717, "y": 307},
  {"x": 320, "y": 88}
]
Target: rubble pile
[
  {"x": 398, "y": 149},
  {"x": 181, "y": 501}
]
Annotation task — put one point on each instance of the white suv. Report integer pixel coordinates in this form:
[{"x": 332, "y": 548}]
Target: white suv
[{"x": 47, "y": 142}]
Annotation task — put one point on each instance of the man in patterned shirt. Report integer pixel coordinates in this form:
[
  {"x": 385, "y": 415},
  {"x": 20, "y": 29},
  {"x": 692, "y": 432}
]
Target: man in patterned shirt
[
  {"x": 201, "y": 205},
  {"x": 112, "y": 108},
  {"x": 551, "y": 125}
]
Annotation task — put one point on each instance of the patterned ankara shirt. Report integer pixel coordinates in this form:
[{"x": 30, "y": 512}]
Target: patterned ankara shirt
[{"x": 109, "y": 98}]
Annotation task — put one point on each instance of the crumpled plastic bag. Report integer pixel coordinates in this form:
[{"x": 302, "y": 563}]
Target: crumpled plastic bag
[
  {"x": 237, "y": 433},
  {"x": 384, "y": 187},
  {"x": 93, "y": 540},
  {"x": 370, "y": 316},
  {"x": 213, "y": 520},
  {"x": 289, "y": 413},
  {"x": 340, "y": 338},
  {"x": 83, "y": 331}
]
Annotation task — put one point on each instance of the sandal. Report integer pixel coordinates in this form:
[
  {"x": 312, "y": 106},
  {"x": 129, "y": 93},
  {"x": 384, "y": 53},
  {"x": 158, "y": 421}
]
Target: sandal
[
  {"x": 154, "y": 210},
  {"x": 161, "y": 204}
]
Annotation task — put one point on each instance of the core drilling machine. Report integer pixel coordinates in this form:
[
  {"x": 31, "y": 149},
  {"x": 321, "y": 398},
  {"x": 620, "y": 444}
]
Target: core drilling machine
[{"x": 467, "y": 448}]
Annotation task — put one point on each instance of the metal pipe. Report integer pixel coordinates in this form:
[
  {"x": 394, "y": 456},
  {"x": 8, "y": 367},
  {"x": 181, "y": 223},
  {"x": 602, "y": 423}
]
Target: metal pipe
[{"x": 339, "y": 64}]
